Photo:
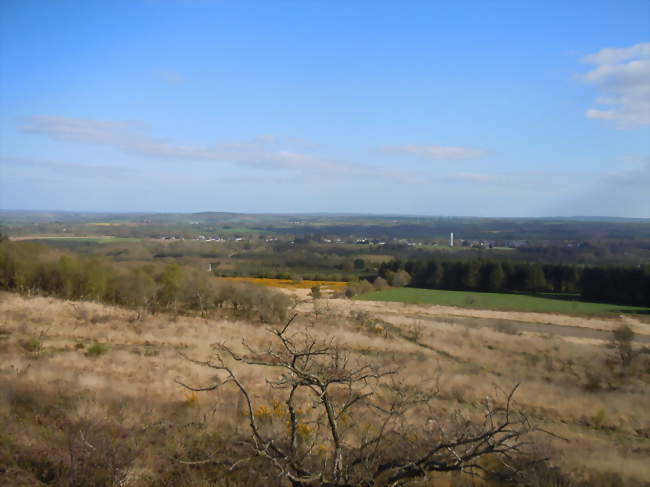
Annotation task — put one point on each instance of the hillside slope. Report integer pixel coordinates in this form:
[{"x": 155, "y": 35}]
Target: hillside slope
[{"x": 90, "y": 392}]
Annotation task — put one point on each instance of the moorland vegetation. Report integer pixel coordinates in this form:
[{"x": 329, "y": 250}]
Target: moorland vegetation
[
  {"x": 131, "y": 363},
  {"x": 93, "y": 395}
]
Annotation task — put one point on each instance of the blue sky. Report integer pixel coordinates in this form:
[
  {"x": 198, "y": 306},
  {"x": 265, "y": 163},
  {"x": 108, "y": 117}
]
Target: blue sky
[{"x": 487, "y": 108}]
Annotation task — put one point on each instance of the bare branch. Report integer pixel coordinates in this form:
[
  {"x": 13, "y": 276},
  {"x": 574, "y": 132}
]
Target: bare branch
[{"x": 331, "y": 397}]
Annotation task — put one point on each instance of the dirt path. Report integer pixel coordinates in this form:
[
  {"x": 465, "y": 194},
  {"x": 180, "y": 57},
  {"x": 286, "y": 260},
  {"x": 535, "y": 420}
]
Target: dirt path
[
  {"x": 598, "y": 328},
  {"x": 511, "y": 326}
]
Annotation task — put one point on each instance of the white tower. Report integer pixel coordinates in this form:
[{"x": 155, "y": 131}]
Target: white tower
[{"x": 451, "y": 239}]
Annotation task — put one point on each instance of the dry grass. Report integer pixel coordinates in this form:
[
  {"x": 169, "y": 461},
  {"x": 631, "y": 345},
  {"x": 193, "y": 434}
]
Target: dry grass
[
  {"x": 448, "y": 313},
  {"x": 129, "y": 389}
]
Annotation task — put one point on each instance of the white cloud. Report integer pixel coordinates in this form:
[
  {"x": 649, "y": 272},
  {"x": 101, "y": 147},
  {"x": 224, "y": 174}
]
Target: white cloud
[
  {"x": 638, "y": 176},
  {"x": 125, "y": 136},
  {"x": 470, "y": 177},
  {"x": 129, "y": 138},
  {"x": 69, "y": 169},
  {"x": 616, "y": 55},
  {"x": 435, "y": 152},
  {"x": 265, "y": 152},
  {"x": 622, "y": 75}
]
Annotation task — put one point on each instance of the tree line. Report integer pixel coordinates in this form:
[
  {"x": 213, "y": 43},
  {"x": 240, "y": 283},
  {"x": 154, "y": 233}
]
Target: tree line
[
  {"x": 618, "y": 284},
  {"x": 30, "y": 268}
]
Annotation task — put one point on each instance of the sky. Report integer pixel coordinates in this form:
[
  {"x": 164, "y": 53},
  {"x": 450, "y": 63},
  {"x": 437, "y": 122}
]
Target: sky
[{"x": 468, "y": 108}]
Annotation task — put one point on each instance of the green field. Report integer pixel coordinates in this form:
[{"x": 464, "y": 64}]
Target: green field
[
  {"x": 107, "y": 239},
  {"x": 555, "y": 303}
]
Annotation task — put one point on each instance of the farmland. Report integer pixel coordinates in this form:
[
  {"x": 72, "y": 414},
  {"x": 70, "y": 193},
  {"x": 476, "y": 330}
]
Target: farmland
[
  {"x": 548, "y": 303},
  {"x": 62, "y": 239},
  {"x": 106, "y": 326}
]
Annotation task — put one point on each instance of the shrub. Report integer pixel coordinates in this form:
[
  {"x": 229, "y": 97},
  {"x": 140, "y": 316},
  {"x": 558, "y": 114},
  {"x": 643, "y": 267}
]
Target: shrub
[
  {"x": 315, "y": 292},
  {"x": 96, "y": 350},
  {"x": 32, "y": 345},
  {"x": 622, "y": 338},
  {"x": 593, "y": 382},
  {"x": 506, "y": 327},
  {"x": 361, "y": 287},
  {"x": 380, "y": 283},
  {"x": 400, "y": 279},
  {"x": 329, "y": 399}
]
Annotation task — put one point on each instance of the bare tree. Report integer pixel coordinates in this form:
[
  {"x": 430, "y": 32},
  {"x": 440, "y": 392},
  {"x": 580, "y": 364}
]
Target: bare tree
[
  {"x": 343, "y": 422},
  {"x": 622, "y": 338}
]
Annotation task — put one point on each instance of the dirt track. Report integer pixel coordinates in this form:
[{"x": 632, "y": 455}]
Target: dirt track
[{"x": 582, "y": 327}]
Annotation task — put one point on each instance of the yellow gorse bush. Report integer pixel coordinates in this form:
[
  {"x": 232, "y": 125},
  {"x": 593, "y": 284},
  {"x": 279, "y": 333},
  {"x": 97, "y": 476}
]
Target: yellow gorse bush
[
  {"x": 191, "y": 398},
  {"x": 304, "y": 430},
  {"x": 274, "y": 410}
]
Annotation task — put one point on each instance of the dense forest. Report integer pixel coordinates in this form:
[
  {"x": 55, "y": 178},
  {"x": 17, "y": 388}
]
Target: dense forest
[
  {"x": 616, "y": 284},
  {"x": 599, "y": 259}
]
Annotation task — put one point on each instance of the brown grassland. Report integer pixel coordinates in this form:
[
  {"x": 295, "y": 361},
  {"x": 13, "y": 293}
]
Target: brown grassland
[{"x": 89, "y": 393}]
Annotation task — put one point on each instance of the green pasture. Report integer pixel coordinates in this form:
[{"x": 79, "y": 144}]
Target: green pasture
[
  {"x": 545, "y": 302},
  {"x": 239, "y": 230},
  {"x": 86, "y": 239}
]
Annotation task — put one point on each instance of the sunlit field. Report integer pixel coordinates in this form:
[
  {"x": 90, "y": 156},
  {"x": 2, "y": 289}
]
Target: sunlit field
[
  {"x": 554, "y": 303},
  {"x": 75, "y": 374}
]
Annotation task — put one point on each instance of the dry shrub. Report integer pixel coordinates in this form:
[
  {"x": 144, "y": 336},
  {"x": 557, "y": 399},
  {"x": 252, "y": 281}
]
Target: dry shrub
[
  {"x": 99, "y": 318},
  {"x": 593, "y": 381},
  {"x": 503, "y": 326},
  {"x": 32, "y": 345},
  {"x": 96, "y": 350},
  {"x": 136, "y": 392},
  {"x": 64, "y": 438}
]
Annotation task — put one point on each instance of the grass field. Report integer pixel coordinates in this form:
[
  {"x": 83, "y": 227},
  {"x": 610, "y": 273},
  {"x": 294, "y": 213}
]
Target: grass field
[
  {"x": 99, "y": 239},
  {"x": 520, "y": 302}
]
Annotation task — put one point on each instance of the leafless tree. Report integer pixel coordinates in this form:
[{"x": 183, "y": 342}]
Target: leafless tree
[{"x": 343, "y": 422}]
